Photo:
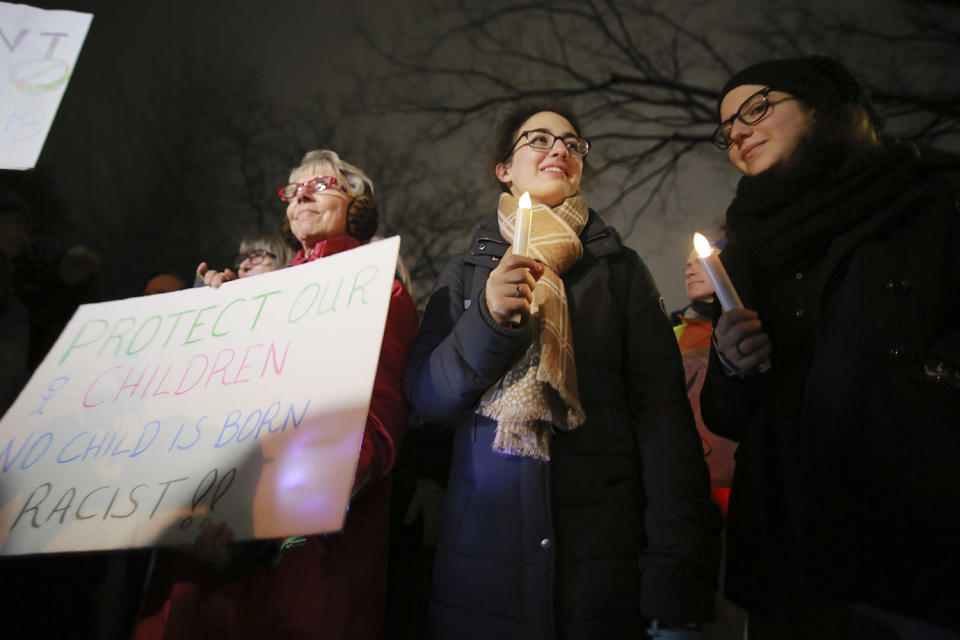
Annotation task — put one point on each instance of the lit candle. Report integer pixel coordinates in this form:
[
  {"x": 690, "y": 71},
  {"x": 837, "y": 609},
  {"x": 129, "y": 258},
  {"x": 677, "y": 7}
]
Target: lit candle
[
  {"x": 521, "y": 233},
  {"x": 521, "y": 241},
  {"x": 722, "y": 286}
]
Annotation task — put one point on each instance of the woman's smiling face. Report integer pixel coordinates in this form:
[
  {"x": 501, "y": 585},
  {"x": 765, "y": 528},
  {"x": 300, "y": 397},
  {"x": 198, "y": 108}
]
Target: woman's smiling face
[
  {"x": 318, "y": 216},
  {"x": 773, "y": 139},
  {"x": 549, "y": 175}
]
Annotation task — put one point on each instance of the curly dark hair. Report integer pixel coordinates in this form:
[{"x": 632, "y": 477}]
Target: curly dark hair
[{"x": 509, "y": 128}]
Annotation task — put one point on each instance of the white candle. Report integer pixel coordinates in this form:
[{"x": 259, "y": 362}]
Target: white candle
[
  {"x": 722, "y": 286},
  {"x": 521, "y": 241},
  {"x": 521, "y": 232}
]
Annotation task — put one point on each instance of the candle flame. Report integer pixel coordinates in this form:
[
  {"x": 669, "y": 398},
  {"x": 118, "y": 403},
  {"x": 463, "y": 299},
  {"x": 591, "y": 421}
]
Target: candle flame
[
  {"x": 702, "y": 245},
  {"x": 525, "y": 200}
]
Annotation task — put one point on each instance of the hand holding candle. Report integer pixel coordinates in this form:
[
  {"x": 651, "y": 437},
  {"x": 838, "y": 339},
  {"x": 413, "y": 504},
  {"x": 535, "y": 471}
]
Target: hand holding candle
[
  {"x": 722, "y": 287},
  {"x": 521, "y": 239}
]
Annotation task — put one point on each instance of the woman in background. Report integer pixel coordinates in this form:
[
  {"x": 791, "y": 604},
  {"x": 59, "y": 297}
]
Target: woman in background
[{"x": 261, "y": 252}]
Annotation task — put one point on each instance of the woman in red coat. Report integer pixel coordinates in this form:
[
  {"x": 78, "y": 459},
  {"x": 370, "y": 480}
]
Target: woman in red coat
[{"x": 330, "y": 586}]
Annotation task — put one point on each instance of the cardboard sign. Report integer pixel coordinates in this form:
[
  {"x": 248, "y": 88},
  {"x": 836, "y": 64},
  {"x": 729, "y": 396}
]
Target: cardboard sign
[
  {"x": 152, "y": 416},
  {"x": 38, "y": 50}
]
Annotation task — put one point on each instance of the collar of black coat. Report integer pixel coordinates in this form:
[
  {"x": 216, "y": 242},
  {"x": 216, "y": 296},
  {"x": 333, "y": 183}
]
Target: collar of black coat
[{"x": 488, "y": 246}]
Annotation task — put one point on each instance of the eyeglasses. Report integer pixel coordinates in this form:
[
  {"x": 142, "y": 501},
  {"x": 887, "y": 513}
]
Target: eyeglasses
[
  {"x": 543, "y": 140},
  {"x": 313, "y": 185},
  {"x": 255, "y": 257},
  {"x": 751, "y": 111}
]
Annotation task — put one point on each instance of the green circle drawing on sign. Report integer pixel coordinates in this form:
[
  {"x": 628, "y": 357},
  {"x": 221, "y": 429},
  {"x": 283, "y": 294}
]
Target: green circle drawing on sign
[{"x": 39, "y": 75}]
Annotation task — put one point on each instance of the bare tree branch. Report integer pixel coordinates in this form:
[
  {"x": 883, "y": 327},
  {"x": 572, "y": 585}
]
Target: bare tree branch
[{"x": 644, "y": 74}]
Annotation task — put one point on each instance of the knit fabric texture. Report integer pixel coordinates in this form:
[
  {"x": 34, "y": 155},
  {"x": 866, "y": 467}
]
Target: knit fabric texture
[{"x": 539, "y": 392}]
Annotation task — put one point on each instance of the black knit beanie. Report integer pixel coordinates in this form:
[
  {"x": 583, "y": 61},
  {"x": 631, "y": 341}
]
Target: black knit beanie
[{"x": 820, "y": 81}]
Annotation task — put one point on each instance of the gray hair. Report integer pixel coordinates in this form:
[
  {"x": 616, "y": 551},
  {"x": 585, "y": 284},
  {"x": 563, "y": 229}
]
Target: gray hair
[
  {"x": 358, "y": 183},
  {"x": 270, "y": 242}
]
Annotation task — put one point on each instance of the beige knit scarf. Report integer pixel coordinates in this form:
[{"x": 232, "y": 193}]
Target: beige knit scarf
[{"x": 539, "y": 391}]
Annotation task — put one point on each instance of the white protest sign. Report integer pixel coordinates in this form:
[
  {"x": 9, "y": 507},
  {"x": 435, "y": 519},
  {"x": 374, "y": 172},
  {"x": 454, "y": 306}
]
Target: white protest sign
[
  {"x": 38, "y": 50},
  {"x": 152, "y": 416}
]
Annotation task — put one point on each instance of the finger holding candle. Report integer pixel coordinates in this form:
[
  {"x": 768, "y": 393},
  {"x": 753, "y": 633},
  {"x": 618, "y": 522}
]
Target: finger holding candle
[
  {"x": 513, "y": 275},
  {"x": 741, "y": 339}
]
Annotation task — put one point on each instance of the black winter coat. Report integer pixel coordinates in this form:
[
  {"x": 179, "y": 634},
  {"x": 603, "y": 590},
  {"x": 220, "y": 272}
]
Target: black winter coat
[
  {"x": 847, "y": 484},
  {"x": 618, "y": 526}
]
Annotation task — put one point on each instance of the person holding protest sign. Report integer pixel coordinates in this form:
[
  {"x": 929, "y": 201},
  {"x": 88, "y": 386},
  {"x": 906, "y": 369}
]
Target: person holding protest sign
[
  {"x": 578, "y": 502},
  {"x": 330, "y": 586},
  {"x": 843, "y": 519}
]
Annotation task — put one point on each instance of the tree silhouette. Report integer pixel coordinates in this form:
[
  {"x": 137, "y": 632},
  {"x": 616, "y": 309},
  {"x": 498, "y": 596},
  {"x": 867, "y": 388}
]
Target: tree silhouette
[
  {"x": 179, "y": 170},
  {"x": 643, "y": 75}
]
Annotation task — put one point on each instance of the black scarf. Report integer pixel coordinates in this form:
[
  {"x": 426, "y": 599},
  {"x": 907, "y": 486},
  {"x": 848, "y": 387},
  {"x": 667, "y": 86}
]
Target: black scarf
[
  {"x": 787, "y": 217},
  {"x": 699, "y": 310}
]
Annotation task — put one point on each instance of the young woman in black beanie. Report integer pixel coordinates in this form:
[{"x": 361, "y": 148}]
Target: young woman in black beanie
[{"x": 843, "y": 519}]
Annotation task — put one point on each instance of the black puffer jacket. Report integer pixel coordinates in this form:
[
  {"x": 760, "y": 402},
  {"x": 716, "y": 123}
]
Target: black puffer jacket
[
  {"x": 618, "y": 527},
  {"x": 847, "y": 484}
]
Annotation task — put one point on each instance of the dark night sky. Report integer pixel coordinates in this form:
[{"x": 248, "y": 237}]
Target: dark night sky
[
  {"x": 287, "y": 39},
  {"x": 307, "y": 56},
  {"x": 299, "y": 52}
]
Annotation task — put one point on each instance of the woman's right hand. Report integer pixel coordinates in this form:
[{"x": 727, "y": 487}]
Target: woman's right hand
[
  {"x": 741, "y": 339},
  {"x": 213, "y": 278},
  {"x": 510, "y": 288}
]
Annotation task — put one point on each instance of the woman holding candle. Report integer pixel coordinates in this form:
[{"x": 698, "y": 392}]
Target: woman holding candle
[
  {"x": 578, "y": 500},
  {"x": 843, "y": 516}
]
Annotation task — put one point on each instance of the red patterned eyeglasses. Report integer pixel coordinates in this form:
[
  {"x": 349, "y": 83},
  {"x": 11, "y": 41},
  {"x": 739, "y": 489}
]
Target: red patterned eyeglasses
[{"x": 313, "y": 185}]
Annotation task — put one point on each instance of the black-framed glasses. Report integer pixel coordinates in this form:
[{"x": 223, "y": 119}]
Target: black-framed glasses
[
  {"x": 255, "y": 257},
  {"x": 750, "y": 112},
  {"x": 313, "y": 185},
  {"x": 543, "y": 140}
]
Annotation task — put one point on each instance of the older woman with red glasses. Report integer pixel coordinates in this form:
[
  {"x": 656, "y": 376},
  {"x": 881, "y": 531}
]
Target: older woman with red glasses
[
  {"x": 320, "y": 207},
  {"x": 843, "y": 518},
  {"x": 331, "y": 586}
]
